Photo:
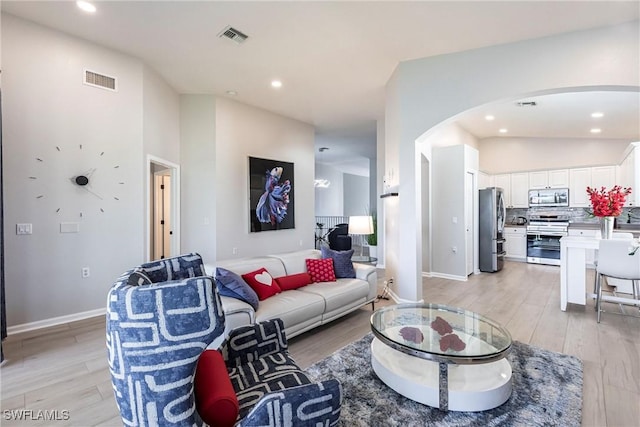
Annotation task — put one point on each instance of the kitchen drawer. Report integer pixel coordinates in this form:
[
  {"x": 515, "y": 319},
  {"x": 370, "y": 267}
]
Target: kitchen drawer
[
  {"x": 515, "y": 230},
  {"x": 584, "y": 232}
]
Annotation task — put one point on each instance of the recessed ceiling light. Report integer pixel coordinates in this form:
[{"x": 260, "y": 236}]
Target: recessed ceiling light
[
  {"x": 597, "y": 115},
  {"x": 489, "y": 117},
  {"x": 276, "y": 83},
  {"x": 232, "y": 93},
  {"x": 503, "y": 130},
  {"x": 86, "y": 6},
  {"x": 595, "y": 130}
]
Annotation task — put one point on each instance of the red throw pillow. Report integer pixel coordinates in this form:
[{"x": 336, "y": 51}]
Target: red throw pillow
[
  {"x": 263, "y": 283},
  {"x": 294, "y": 281},
  {"x": 216, "y": 400},
  {"x": 321, "y": 270}
]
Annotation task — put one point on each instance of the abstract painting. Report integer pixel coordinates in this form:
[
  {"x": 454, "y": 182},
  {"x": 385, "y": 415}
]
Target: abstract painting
[{"x": 271, "y": 202}]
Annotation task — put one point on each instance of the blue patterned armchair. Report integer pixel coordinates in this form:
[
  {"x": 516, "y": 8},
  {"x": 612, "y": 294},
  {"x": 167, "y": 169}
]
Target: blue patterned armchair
[{"x": 161, "y": 316}]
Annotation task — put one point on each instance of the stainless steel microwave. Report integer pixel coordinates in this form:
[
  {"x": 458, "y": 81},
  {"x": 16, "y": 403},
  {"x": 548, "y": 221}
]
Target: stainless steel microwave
[{"x": 547, "y": 197}]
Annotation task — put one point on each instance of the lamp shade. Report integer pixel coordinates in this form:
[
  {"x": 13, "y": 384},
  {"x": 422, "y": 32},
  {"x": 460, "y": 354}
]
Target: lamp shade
[{"x": 360, "y": 225}]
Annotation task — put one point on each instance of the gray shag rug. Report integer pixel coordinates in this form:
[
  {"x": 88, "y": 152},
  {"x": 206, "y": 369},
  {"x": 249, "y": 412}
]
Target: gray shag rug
[{"x": 547, "y": 391}]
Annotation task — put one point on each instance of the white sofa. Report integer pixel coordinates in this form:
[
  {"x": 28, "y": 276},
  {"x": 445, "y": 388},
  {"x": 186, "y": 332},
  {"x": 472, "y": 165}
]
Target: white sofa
[{"x": 301, "y": 309}]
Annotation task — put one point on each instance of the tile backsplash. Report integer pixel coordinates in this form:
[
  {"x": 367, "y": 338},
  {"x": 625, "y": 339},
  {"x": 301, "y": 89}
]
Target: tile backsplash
[{"x": 577, "y": 215}]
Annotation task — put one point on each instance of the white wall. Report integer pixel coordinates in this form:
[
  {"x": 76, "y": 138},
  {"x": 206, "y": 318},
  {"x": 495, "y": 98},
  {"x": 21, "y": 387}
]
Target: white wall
[
  {"x": 527, "y": 154},
  {"x": 356, "y": 195},
  {"x": 329, "y": 201},
  {"x": 243, "y": 131},
  {"x": 198, "y": 183},
  {"x": 379, "y": 172},
  {"x": 426, "y": 92},
  {"x": 161, "y": 113},
  {"x": 46, "y": 105}
]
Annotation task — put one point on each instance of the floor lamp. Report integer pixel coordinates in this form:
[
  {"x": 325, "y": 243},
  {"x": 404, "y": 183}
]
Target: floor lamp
[{"x": 361, "y": 225}]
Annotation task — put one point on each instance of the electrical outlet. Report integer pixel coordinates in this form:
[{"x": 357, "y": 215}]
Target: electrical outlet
[
  {"x": 234, "y": 251},
  {"x": 86, "y": 272}
]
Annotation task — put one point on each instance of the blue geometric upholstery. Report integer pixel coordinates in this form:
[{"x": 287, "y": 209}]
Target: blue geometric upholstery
[
  {"x": 155, "y": 334},
  {"x": 162, "y": 315},
  {"x": 271, "y": 389}
]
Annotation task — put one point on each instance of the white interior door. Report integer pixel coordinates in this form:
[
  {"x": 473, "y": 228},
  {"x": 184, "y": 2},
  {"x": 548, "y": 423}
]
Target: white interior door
[{"x": 469, "y": 208}]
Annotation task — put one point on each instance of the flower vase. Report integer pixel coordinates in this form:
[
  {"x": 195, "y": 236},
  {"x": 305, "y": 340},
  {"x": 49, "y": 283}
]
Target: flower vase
[{"x": 606, "y": 226}]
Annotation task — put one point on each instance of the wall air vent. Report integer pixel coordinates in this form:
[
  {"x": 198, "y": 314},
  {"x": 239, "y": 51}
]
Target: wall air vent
[
  {"x": 526, "y": 104},
  {"x": 232, "y": 34},
  {"x": 94, "y": 79}
]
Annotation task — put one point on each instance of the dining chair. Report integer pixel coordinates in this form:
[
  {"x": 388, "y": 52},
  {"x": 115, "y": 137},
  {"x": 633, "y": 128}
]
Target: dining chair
[
  {"x": 615, "y": 235},
  {"x": 617, "y": 260}
]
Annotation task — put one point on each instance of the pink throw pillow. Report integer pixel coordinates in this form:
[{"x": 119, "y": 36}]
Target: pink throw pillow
[{"x": 321, "y": 270}]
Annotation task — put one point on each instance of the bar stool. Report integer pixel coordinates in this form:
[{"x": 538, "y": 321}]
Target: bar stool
[
  {"x": 615, "y": 235},
  {"x": 614, "y": 260}
]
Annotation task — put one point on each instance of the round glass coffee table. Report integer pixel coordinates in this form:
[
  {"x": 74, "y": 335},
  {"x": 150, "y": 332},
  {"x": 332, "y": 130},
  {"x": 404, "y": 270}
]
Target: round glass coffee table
[{"x": 445, "y": 357}]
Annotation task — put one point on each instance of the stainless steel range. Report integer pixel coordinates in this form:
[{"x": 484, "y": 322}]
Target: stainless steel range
[{"x": 544, "y": 232}]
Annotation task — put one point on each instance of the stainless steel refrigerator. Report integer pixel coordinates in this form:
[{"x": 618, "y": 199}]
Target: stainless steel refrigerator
[{"x": 491, "y": 229}]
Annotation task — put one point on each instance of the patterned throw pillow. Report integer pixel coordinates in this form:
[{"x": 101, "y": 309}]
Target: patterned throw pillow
[
  {"x": 321, "y": 270},
  {"x": 294, "y": 281},
  {"x": 230, "y": 284},
  {"x": 342, "y": 264},
  {"x": 263, "y": 283}
]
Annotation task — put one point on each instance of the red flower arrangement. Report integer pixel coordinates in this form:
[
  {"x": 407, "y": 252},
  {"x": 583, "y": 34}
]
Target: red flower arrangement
[{"x": 608, "y": 203}]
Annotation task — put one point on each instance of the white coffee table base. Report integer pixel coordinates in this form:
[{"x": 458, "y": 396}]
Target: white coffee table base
[{"x": 471, "y": 387}]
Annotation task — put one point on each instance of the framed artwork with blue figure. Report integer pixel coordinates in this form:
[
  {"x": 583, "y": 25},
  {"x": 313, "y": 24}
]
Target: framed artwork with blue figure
[{"x": 271, "y": 201}]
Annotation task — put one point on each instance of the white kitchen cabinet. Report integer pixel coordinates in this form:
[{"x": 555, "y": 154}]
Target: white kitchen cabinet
[
  {"x": 520, "y": 190},
  {"x": 603, "y": 176},
  {"x": 538, "y": 179},
  {"x": 579, "y": 180},
  {"x": 630, "y": 173},
  {"x": 556, "y": 178},
  {"x": 587, "y": 232},
  {"x": 559, "y": 178},
  {"x": 504, "y": 181},
  {"x": 485, "y": 180},
  {"x": 516, "y": 243}
]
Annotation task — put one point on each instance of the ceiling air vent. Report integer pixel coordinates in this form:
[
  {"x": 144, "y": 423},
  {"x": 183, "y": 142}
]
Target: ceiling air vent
[
  {"x": 526, "y": 104},
  {"x": 232, "y": 34},
  {"x": 94, "y": 79}
]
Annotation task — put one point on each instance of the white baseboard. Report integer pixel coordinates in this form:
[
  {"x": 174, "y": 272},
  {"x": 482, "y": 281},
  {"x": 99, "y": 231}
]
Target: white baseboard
[
  {"x": 449, "y": 276},
  {"x": 399, "y": 300},
  {"x": 31, "y": 326}
]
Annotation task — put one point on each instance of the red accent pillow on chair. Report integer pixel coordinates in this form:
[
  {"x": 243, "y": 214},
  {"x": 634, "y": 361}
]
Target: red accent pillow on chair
[
  {"x": 321, "y": 270},
  {"x": 263, "y": 283},
  {"x": 216, "y": 399}
]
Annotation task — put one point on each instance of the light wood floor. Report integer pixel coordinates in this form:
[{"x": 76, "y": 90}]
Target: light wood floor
[{"x": 65, "y": 367}]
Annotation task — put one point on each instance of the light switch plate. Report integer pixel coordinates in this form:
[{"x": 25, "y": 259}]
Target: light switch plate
[{"x": 24, "y": 229}]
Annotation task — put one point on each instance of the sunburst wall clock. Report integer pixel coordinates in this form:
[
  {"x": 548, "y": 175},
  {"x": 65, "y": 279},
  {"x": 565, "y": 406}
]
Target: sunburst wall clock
[{"x": 88, "y": 172}]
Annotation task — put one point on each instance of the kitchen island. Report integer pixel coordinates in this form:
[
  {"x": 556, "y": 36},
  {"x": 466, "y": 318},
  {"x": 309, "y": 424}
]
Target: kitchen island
[{"x": 573, "y": 267}]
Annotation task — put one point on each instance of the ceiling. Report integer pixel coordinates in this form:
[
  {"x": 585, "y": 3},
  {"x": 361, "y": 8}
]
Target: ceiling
[{"x": 333, "y": 58}]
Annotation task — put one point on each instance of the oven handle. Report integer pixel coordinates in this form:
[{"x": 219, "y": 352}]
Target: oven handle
[
  {"x": 502, "y": 254},
  {"x": 546, "y": 233},
  {"x": 501, "y": 240}
]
